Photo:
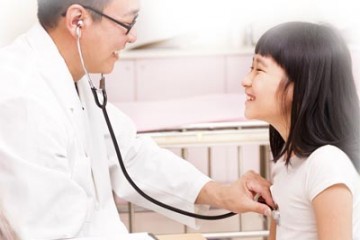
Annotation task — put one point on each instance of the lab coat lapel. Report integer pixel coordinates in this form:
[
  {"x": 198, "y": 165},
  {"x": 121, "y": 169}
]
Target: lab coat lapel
[
  {"x": 97, "y": 148},
  {"x": 55, "y": 73},
  {"x": 84, "y": 115},
  {"x": 59, "y": 80}
]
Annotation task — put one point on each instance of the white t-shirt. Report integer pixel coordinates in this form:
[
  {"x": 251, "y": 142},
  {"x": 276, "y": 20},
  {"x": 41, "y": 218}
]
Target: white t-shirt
[{"x": 294, "y": 188}]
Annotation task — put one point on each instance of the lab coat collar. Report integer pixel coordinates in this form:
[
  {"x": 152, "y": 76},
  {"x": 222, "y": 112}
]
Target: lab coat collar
[{"x": 55, "y": 71}]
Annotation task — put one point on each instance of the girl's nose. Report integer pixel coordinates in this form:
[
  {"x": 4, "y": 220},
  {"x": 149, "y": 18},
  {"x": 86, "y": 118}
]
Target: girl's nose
[{"x": 246, "y": 82}]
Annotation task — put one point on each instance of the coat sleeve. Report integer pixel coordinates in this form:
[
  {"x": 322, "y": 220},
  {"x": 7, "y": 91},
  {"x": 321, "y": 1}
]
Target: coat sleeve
[{"x": 158, "y": 172}]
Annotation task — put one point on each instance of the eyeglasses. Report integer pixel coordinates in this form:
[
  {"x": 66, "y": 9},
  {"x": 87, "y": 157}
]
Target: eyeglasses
[{"x": 128, "y": 27}]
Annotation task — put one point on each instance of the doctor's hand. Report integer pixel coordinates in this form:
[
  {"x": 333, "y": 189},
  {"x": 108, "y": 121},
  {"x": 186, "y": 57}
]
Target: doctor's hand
[{"x": 239, "y": 196}]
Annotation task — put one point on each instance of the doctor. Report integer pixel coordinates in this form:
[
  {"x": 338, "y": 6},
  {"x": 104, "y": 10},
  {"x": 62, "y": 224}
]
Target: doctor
[{"x": 58, "y": 169}]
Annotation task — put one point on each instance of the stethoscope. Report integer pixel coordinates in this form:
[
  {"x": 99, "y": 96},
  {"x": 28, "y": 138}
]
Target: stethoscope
[
  {"x": 101, "y": 93},
  {"x": 101, "y": 100},
  {"x": 275, "y": 212}
]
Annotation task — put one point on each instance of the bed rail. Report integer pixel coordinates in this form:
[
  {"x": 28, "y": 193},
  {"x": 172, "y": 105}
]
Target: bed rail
[{"x": 210, "y": 135}]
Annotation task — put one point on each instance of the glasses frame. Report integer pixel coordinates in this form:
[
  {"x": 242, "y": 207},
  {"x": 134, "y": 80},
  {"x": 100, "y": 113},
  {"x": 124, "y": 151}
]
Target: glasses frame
[{"x": 128, "y": 27}]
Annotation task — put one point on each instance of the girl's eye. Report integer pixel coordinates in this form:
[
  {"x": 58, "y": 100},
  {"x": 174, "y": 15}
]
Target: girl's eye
[{"x": 256, "y": 69}]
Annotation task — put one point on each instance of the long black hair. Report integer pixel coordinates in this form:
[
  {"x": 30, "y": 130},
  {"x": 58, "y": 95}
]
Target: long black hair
[{"x": 325, "y": 108}]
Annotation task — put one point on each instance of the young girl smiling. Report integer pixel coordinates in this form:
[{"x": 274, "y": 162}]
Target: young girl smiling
[{"x": 301, "y": 83}]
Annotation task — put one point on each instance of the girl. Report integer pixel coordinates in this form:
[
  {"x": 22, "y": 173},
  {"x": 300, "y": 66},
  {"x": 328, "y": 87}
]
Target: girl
[{"x": 301, "y": 83}]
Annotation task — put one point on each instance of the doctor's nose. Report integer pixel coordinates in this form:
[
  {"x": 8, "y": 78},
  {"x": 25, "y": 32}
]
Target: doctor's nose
[{"x": 132, "y": 36}]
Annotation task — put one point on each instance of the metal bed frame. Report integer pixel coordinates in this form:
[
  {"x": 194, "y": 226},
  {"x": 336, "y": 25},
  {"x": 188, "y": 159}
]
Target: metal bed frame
[{"x": 210, "y": 135}]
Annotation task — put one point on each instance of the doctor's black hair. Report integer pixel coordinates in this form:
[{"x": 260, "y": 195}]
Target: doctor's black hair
[
  {"x": 50, "y": 11},
  {"x": 325, "y": 107}
]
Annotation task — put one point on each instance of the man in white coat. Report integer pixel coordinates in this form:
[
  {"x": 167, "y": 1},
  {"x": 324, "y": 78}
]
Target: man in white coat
[{"x": 58, "y": 167}]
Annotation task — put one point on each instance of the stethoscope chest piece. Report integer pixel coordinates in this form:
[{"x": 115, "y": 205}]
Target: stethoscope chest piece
[{"x": 275, "y": 214}]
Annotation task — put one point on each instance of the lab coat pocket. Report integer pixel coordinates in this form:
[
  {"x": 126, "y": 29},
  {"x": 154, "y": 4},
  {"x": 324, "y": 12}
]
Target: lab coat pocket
[{"x": 82, "y": 175}]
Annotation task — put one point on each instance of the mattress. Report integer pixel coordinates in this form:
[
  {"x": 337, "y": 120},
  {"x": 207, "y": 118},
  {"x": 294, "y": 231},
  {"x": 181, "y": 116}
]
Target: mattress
[{"x": 177, "y": 113}]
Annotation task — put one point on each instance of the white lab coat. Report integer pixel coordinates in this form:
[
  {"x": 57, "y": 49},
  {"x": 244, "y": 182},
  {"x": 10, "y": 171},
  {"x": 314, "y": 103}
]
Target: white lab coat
[{"x": 57, "y": 174}]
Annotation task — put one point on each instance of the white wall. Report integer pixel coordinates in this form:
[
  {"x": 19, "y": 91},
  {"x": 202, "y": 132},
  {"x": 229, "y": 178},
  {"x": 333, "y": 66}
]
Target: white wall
[
  {"x": 206, "y": 22},
  {"x": 16, "y": 16},
  {"x": 224, "y": 22}
]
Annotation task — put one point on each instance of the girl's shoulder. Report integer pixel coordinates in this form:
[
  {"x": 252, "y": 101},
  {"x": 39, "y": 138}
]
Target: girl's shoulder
[
  {"x": 327, "y": 166},
  {"x": 329, "y": 159},
  {"x": 328, "y": 151}
]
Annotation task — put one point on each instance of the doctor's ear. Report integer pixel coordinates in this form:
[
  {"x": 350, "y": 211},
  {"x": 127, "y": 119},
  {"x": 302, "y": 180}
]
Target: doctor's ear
[{"x": 76, "y": 17}]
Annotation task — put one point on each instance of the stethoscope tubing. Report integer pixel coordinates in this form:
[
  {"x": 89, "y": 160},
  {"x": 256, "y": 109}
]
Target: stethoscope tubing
[
  {"x": 129, "y": 179},
  {"x": 102, "y": 106}
]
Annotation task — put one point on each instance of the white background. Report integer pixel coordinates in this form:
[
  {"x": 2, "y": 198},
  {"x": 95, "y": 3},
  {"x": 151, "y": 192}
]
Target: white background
[{"x": 206, "y": 22}]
